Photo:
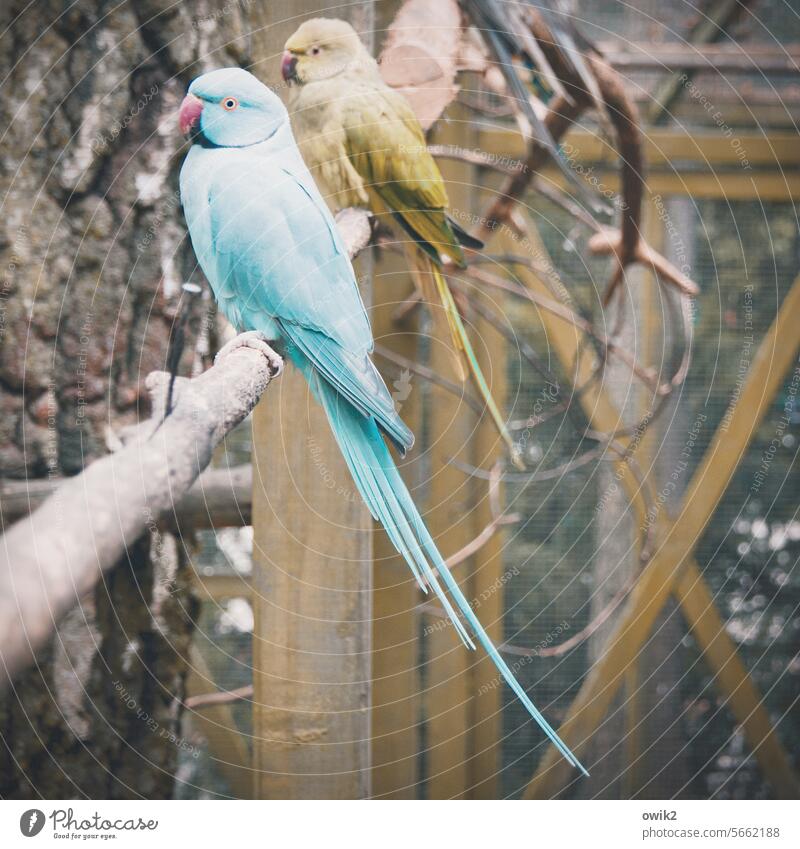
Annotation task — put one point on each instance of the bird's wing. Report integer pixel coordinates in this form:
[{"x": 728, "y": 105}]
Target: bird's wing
[
  {"x": 387, "y": 147},
  {"x": 277, "y": 251},
  {"x": 278, "y": 254}
]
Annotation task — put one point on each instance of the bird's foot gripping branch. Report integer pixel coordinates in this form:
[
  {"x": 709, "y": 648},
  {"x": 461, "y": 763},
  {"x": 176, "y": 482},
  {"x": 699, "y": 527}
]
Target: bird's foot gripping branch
[{"x": 256, "y": 341}]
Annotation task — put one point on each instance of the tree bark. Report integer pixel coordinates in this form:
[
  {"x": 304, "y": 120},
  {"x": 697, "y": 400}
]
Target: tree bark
[{"x": 92, "y": 255}]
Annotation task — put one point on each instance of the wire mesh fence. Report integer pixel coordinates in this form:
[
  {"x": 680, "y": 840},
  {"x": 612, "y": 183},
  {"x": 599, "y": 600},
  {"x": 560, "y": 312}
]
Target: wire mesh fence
[
  {"x": 569, "y": 562},
  {"x": 744, "y": 255}
]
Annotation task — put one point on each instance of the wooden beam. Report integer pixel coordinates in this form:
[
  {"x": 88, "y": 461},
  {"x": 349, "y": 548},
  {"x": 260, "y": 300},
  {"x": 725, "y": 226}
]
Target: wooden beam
[
  {"x": 739, "y": 185},
  {"x": 732, "y": 679},
  {"x": 663, "y": 148},
  {"x": 713, "y": 166},
  {"x": 728, "y": 186},
  {"x": 710, "y": 27},
  {"x": 729, "y": 58},
  {"x": 312, "y": 565},
  {"x": 777, "y": 109},
  {"x": 677, "y": 540},
  {"x": 487, "y": 581},
  {"x": 448, "y": 681}
]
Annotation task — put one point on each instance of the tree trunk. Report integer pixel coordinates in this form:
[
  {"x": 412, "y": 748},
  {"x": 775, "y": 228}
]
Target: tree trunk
[{"x": 93, "y": 252}]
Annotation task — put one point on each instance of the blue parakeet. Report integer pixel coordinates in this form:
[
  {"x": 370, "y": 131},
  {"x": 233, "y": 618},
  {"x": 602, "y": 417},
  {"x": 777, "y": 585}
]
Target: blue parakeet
[{"x": 271, "y": 252}]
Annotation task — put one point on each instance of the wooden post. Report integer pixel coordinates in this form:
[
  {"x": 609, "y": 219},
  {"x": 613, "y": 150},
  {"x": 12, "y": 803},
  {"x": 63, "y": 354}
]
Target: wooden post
[
  {"x": 312, "y": 562},
  {"x": 616, "y": 555},
  {"x": 448, "y": 682},
  {"x": 650, "y": 321},
  {"x": 656, "y": 700},
  {"x": 396, "y": 596},
  {"x": 488, "y": 586},
  {"x": 710, "y": 27}
]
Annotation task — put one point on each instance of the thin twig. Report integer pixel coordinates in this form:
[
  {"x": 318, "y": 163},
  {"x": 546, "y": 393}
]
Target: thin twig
[
  {"x": 475, "y": 157},
  {"x": 527, "y": 352},
  {"x": 582, "y": 635},
  {"x": 478, "y": 542},
  {"x": 498, "y": 519},
  {"x": 644, "y": 373},
  {"x": 575, "y": 640},
  {"x": 226, "y": 697},
  {"x": 428, "y": 374},
  {"x": 532, "y": 477}
]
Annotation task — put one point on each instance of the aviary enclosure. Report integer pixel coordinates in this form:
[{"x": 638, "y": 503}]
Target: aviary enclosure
[{"x": 195, "y": 603}]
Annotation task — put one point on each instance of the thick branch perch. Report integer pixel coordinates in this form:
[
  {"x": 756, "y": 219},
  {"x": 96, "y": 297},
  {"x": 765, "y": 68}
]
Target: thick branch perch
[{"x": 57, "y": 554}]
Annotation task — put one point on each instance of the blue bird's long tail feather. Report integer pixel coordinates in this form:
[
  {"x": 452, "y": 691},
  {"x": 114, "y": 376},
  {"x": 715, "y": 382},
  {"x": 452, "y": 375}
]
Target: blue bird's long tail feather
[{"x": 390, "y": 503}]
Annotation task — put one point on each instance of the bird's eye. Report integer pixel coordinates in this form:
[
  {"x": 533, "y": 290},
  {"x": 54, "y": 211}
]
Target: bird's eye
[
  {"x": 315, "y": 51},
  {"x": 229, "y": 104}
]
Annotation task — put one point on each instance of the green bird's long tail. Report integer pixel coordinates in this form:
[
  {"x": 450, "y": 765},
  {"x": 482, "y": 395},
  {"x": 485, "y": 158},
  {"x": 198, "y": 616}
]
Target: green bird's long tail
[
  {"x": 427, "y": 273},
  {"x": 390, "y": 503}
]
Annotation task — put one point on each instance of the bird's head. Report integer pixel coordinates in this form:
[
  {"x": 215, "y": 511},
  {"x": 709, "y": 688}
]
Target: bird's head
[
  {"x": 230, "y": 108},
  {"x": 320, "y": 49}
]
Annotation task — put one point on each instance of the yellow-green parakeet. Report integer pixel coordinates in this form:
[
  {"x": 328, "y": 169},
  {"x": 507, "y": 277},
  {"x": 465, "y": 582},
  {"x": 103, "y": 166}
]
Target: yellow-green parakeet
[{"x": 366, "y": 148}]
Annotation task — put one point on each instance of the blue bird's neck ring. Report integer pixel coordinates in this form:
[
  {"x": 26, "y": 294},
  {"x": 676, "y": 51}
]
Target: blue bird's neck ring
[{"x": 199, "y": 137}]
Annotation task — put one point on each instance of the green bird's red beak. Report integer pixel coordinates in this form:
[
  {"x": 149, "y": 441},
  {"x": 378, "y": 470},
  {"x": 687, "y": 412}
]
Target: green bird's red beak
[{"x": 289, "y": 67}]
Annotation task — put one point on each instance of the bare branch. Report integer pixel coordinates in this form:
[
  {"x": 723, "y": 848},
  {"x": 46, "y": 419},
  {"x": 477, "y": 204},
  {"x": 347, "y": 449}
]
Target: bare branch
[
  {"x": 204, "y": 700},
  {"x": 218, "y": 498},
  {"x": 494, "y": 475},
  {"x": 53, "y": 557},
  {"x": 497, "y": 521},
  {"x": 430, "y": 375},
  {"x": 645, "y": 373}
]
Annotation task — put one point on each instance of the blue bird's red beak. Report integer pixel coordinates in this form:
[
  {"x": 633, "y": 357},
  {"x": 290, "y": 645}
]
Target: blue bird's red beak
[
  {"x": 189, "y": 114},
  {"x": 289, "y": 67}
]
